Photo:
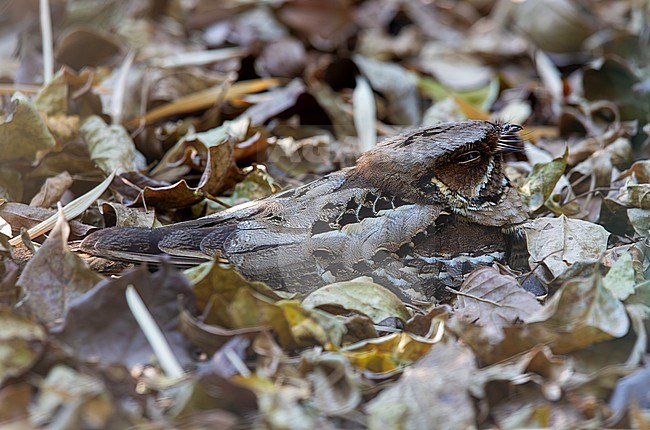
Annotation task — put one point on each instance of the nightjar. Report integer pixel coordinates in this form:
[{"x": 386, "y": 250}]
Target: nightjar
[{"x": 416, "y": 213}]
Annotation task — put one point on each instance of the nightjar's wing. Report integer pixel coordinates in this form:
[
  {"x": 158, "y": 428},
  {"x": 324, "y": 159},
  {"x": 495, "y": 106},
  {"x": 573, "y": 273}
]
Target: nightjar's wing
[{"x": 321, "y": 232}]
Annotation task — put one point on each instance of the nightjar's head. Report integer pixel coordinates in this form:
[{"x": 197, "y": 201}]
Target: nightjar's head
[{"x": 458, "y": 165}]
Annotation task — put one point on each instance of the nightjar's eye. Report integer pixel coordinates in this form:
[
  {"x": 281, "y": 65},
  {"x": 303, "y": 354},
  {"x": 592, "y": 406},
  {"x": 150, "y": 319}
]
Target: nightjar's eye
[{"x": 468, "y": 157}]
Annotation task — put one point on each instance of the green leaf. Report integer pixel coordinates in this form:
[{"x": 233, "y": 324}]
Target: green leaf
[
  {"x": 542, "y": 180},
  {"x": 360, "y": 295},
  {"x": 111, "y": 147},
  {"x": 620, "y": 278},
  {"x": 23, "y": 132},
  {"x": 21, "y": 343}
]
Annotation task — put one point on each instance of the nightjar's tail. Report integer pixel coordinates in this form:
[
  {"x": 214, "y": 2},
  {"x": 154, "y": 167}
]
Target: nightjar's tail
[{"x": 187, "y": 244}]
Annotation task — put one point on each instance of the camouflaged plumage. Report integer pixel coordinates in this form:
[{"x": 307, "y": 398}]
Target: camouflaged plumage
[{"x": 416, "y": 213}]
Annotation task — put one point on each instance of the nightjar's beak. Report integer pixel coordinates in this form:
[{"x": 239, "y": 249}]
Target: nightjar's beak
[{"x": 509, "y": 140}]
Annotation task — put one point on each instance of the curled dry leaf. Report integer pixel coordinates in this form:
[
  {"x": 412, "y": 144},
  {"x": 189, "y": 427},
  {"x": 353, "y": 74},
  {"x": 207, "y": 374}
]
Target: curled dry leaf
[
  {"x": 69, "y": 93},
  {"x": 88, "y": 46},
  {"x": 537, "y": 365},
  {"x": 52, "y": 190},
  {"x": 232, "y": 303},
  {"x": 216, "y": 278},
  {"x": 130, "y": 217},
  {"x": 386, "y": 355},
  {"x": 582, "y": 312},
  {"x": 209, "y": 337},
  {"x": 312, "y": 326},
  {"x": 257, "y": 184},
  {"x": 71, "y": 210}
]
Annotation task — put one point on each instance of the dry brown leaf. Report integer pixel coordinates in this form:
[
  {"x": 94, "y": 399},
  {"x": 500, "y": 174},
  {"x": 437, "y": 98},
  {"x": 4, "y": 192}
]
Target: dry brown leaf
[
  {"x": 433, "y": 393},
  {"x": 52, "y": 190},
  {"x": 493, "y": 300},
  {"x": 55, "y": 276}
]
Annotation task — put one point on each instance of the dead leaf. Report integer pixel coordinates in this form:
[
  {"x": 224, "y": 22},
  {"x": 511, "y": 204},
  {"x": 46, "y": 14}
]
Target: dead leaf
[
  {"x": 433, "y": 393},
  {"x": 15, "y": 400},
  {"x": 542, "y": 181},
  {"x": 493, "y": 300},
  {"x": 365, "y": 114},
  {"x": 93, "y": 335},
  {"x": 86, "y": 46},
  {"x": 359, "y": 295},
  {"x": 52, "y": 190},
  {"x": 78, "y": 397},
  {"x": 560, "y": 242},
  {"x": 324, "y": 24},
  {"x": 20, "y": 216},
  {"x": 130, "y": 217},
  {"x": 22, "y": 341},
  {"x": 336, "y": 387},
  {"x": 538, "y": 366},
  {"x": 69, "y": 93},
  {"x": 387, "y": 354},
  {"x": 203, "y": 100},
  {"x": 284, "y": 58},
  {"x": 631, "y": 391},
  {"x": 111, "y": 147},
  {"x": 277, "y": 101},
  {"x": 554, "y": 25},
  {"x": 210, "y": 337},
  {"x": 582, "y": 312},
  {"x": 312, "y": 326},
  {"x": 8, "y": 289},
  {"x": 216, "y": 278},
  {"x": 397, "y": 85},
  {"x": 620, "y": 279},
  {"x": 55, "y": 276},
  {"x": 455, "y": 70},
  {"x": 11, "y": 184},
  {"x": 23, "y": 133}
]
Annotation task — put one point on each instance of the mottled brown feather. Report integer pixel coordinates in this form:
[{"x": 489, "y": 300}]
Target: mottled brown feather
[{"x": 416, "y": 213}]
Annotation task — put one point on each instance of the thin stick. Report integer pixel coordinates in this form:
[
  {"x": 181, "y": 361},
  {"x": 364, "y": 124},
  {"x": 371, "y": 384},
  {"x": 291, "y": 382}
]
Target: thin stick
[
  {"x": 471, "y": 296},
  {"x": 117, "y": 101},
  {"x": 216, "y": 200},
  {"x": 586, "y": 193},
  {"x": 46, "y": 37},
  {"x": 154, "y": 335}
]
